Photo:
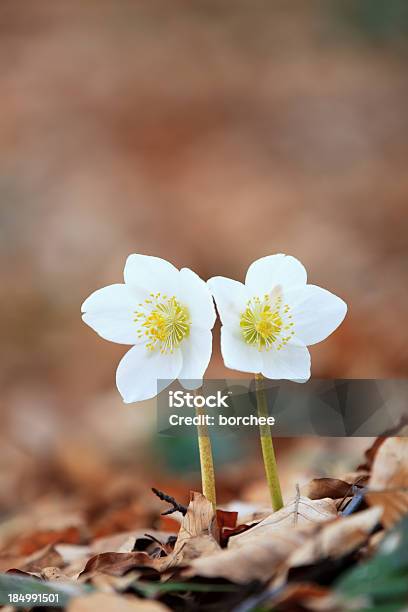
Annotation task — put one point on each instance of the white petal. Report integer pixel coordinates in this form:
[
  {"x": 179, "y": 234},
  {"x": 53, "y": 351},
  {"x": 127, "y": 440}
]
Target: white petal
[
  {"x": 196, "y": 351},
  {"x": 142, "y": 373},
  {"x": 237, "y": 354},
  {"x": 316, "y": 312},
  {"x": 151, "y": 274},
  {"x": 268, "y": 272},
  {"x": 195, "y": 294},
  {"x": 110, "y": 312},
  {"x": 292, "y": 362},
  {"x": 231, "y": 298}
]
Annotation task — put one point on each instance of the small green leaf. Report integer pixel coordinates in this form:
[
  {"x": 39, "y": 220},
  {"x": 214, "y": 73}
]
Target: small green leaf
[{"x": 383, "y": 580}]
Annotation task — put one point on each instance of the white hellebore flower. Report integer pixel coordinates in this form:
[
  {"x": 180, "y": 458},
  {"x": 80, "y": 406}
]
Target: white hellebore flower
[
  {"x": 167, "y": 314},
  {"x": 268, "y": 323}
]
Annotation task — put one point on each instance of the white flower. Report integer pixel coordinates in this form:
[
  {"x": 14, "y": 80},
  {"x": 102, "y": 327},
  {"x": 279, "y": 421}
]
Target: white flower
[
  {"x": 167, "y": 314},
  {"x": 268, "y": 322}
]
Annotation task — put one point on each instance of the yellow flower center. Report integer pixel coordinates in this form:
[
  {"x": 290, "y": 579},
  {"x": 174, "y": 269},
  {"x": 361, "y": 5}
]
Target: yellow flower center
[
  {"x": 163, "y": 322},
  {"x": 266, "y": 324}
]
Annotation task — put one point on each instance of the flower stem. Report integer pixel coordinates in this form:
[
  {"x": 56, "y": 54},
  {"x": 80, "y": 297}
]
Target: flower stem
[
  {"x": 267, "y": 446},
  {"x": 206, "y": 459}
]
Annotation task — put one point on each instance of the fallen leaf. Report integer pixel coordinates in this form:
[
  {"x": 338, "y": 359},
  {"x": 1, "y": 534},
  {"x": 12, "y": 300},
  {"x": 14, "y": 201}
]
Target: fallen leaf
[
  {"x": 54, "y": 574},
  {"x": 109, "y": 554},
  {"x": 257, "y": 560},
  {"x": 109, "y": 602},
  {"x": 336, "y": 539},
  {"x": 21, "y": 573},
  {"x": 117, "y": 564},
  {"x": 75, "y": 568},
  {"x": 33, "y": 563},
  {"x": 256, "y": 553},
  {"x": 198, "y": 518},
  {"x": 318, "y": 488},
  {"x": 388, "y": 485},
  {"x": 225, "y": 524},
  {"x": 299, "y": 512},
  {"x": 195, "y": 537},
  {"x": 280, "y": 545},
  {"x": 359, "y": 478}
]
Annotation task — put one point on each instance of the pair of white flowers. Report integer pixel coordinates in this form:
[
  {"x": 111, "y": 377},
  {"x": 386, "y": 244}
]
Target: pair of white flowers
[{"x": 168, "y": 314}]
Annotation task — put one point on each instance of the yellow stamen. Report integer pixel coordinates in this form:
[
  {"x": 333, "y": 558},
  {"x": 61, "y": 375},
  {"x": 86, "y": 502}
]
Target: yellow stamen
[
  {"x": 164, "y": 321},
  {"x": 263, "y": 322}
]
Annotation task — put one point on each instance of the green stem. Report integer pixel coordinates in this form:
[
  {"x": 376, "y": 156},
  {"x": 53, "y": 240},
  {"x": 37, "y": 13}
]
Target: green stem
[
  {"x": 206, "y": 460},
  {"x": 267, "y": 446}
]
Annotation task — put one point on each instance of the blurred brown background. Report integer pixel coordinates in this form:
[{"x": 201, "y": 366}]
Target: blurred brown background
[{"x": 208, "y": 133}]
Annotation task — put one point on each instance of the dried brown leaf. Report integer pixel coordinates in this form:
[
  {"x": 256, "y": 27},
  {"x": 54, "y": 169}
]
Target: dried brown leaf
[
  {"x": 198, "y": 519},
  {"x": 279, "y": 545},
  {"x": 225, "y": 524},
  {"x": 54, "y": 574},
  {"x": 388, "y": 485},
  {"x": 257, "y": 560},
  {"x": 359, "y": 478},
  {"x": 117, "y": 564},
  {"x": 256, "y": 553},
  {"x": 299, "y": 512},
  {"x": 319, "y": 488},
  {"x": 195, "y": 537},
  {"x": 33, "y": 563},
  {"x": 337, "y": 538}
]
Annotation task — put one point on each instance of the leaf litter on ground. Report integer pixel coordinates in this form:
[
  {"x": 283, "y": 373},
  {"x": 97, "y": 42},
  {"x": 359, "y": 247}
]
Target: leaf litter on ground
[{"x": 216, "y": 558}]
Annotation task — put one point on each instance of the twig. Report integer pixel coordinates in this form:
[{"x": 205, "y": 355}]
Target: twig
[
  {"x": 355, "y": 502},
  {"x": 170, "y": 500},
  {"x": 295, "y": 516},
  {"x": 354, "y": 488}
]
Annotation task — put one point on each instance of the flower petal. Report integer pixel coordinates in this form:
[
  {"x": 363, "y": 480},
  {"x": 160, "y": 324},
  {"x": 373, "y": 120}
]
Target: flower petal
[
  {"x": 195, "y": 293},
  {"x": 292, "y": 362},
  {"x": 141, "y": 374},
  {"x": 110, "y": 312},
  {"x": 316, "y": 312},
  {"x": 151, "y": 274},
  {"x": 266, "y": 273},
  {"x": 237, "y": 354},
  {"x": 231, "y": 298},
  {"x": 196, "y": 351}
]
